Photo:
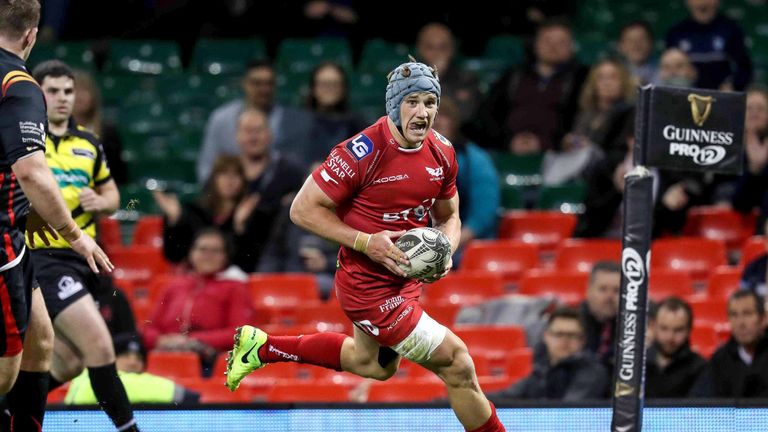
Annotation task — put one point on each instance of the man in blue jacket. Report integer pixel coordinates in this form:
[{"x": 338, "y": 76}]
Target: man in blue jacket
[{"x": 715, "y": 44}]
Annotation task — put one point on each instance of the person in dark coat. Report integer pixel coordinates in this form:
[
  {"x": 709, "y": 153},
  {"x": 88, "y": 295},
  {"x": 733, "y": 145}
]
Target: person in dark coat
[
  {"x": 567, "y": 371},
  {"x": 739, "y": 368},
  {"x": 671, "y": 367}
]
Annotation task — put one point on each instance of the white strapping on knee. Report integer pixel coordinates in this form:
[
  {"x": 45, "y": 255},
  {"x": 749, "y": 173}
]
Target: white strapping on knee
[{"x": 423, "y": 340}]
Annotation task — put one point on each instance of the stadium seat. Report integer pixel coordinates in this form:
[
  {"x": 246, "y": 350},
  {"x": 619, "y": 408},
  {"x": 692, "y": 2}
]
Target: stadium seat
[
  {"x": 508, "y": 258},
  {"x": 148, "y": 57},
  {"x": 567, "y": 287},
  {"x": 491, "y": 384},
  {"x": 713, "y": 311},
  {"x": 379, "y": 57},
  {"x": 77, "y": 55},
  {"x": 697, "y": 256},
  {"x": 665, "y": 283},
  {"x": 174, "y": 364},
  {"x": 512, "y": 197},
  {"x": 580, "y": 255},
  {"x": 226, "y": 56},
  {"x": 519, "y": 363},
  {"x": 506, "y": 48},
  {"x": 719, "y": 223},
  {"x": 147, "y": 118},
  {"x": 213, "y": 391},
  {"x": 722, "y": 282},
  {"x": 409, "y": 391},
  {"x": 704, "y": 339},
  {"x": 109, "y": 234},
  {"x": 298, "y": 391},
  {"x": 283, "y": 291},
  {"x": 544, "y": 228},
  {"x": 365, "y": 89},
  {"x": 444, "y": 313},
  {"x": 753, "y": 248},
  {"x": 518, "y": 171},
  {"x": 493, "y": 342},
  {"x": 463, "y": 288},
  {"x": 567, "y": 198},
  {"x": 57, "y": 395},
  {"x": 148, "y": 232},
  {"x": 302, "y": 55},
  {"x": 138, "y": 262},
  {"x": 319, "y": 375},
  {"x": 324, "y": 317}
]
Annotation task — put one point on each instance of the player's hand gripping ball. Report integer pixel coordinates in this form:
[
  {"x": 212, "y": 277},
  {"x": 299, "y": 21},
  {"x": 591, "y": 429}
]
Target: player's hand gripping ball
[{"x": 428, "y": 251}]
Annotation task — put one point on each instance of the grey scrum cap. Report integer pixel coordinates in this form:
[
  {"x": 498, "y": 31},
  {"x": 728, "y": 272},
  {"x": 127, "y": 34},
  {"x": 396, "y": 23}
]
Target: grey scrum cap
[{"x": 411, "y": 77}]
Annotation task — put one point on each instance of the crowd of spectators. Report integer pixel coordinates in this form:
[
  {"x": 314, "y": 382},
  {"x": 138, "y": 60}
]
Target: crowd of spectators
[{"x": 256, "y": 153}]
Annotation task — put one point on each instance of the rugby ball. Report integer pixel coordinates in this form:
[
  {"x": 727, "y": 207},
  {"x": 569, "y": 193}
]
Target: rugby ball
[{"x": 427, "y": 249}]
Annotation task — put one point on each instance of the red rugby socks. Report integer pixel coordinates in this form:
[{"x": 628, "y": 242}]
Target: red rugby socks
[
  {"x": 319, "y": 349},
  {"x": 493, "y": 424}
]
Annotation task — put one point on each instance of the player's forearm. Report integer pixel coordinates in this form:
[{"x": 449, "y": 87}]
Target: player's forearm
[
  {"x": 111, "y": 198},
  {"x": 451, "y": 227},
  {"x": 42, "y": 191}
]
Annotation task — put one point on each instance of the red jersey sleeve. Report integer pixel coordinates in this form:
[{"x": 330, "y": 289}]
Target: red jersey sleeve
[
  {"x": 451, "y": 169},
  {"x": 341, "y": 175}
]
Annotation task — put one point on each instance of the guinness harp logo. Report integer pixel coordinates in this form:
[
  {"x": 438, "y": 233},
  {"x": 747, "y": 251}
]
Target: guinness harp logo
[
  {"x": 623, "y": 389},
  {"x": 701, "y": 108}
]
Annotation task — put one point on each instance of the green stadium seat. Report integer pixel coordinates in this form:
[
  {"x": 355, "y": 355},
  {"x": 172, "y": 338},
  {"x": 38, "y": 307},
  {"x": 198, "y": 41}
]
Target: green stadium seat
[
  {"x": 144, "y": 57},
  {"x": 119, "y": 90},
  {"x": 136, "y": 197},
  {"x": 487, "y": 70},
  {"x": 591, "y": 50},
  {"x": 226, "y": 56},
  {"x": 366, "y": 89},
  {"x": 519, "y": 170},
  {"x": 302, "y": 55},
  {"x": 293, "y": 87},
  {"x": 380, "y": 56},
  {"x": 568, "y": 198},
  {"x": 507, "y": 48},
  {"x": 152, "y": 118},
  {"x": 512, "y": 197},
  {"x": 78, "y": 55}
]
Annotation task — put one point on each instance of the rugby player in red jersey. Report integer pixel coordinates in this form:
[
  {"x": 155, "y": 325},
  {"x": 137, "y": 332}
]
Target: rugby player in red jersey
[{"x": 393, "y": 176}]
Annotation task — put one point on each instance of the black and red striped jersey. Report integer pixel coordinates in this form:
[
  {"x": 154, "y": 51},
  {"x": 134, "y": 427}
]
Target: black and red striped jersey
[{"x": 23, "y": 122}]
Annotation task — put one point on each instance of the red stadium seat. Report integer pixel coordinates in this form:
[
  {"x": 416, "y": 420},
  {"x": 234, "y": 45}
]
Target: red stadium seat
[
  {"x": 544, "y": 228},
  {"x": 719, "y": 223},
  {"x": 299, "y": 391},
  {"x": 463, "y": 288},
  {"x": 173, "y": 364},
  {"x": 214, "y": 391},
  {"x": 519, "y": 363},
  {"x": 279, "y": 294},
  {"x": 149, "y": 232},
  {"x": 324, "y": 318},
  {"x": 445, "y": 314},
  {"x": 709, "y": 310},
  {"x": 666, "y": 283},
  {"x": 496, "y": 383},
  {"x": 493, "y": 342},
  {"x": 704, "y": 339},
  {"x": 408, "y": 391},
  {"x": 697, "y": 256},
  {"x": 508, "y": 258},
  {"x": 567, "y": 287},
  {"x": 57, "y": 396},
  {"x": 754, "y": 247},
  {"x": 722, "y": 282},
  {"x": 109, "y": 234},
  {"x": 319, "y": 374},
  {"x": 138, "y": 262},
  {"x": 580, "y": 255},
  {"x": 410, "y": 370}
]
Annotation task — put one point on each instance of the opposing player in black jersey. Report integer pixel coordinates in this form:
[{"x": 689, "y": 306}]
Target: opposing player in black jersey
[{"x": 26, "y": 335}]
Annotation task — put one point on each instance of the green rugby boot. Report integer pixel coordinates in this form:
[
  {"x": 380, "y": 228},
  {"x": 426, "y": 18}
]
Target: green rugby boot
[{"x": 244, "y": 357}]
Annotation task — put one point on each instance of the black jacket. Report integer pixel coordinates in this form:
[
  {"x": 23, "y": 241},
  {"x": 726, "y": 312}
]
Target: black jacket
[
  {"x": 578, "y": 377},
  {"x": 593, "y": 330},
  {"x": 727, "y": 376},
  {"x": 677, "y": 379}
]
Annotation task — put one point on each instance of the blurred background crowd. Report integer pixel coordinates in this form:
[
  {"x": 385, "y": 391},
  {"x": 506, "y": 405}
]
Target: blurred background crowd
[{"x": 211, "y": 115}]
